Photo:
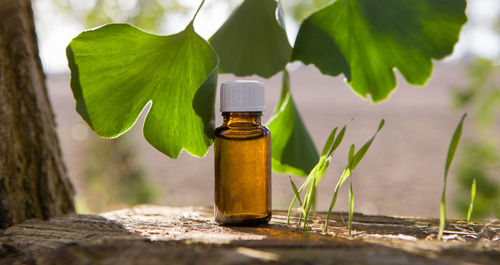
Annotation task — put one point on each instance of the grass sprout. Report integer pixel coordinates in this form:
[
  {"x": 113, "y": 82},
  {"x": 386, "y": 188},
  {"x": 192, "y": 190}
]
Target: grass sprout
[
  {"x": 451, "y": 152},
  {"x": 472, "y": 198},
  {"x": 315, "y": 177},
  {"x": 351, "y": 205},
  {"x": 353, "y": 161},
  {"x": 312, "y": 181},
  {"x": 297, "y": 194},
  {"x": 351, "y": 193}
]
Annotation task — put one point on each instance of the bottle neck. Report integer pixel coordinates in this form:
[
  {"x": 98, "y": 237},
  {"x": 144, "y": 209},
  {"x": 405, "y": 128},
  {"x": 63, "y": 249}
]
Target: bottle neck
[{"x": 242, "y": 119}]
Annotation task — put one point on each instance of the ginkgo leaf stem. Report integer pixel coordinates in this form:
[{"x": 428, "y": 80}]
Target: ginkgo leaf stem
[{"x": 196, "y": 13}]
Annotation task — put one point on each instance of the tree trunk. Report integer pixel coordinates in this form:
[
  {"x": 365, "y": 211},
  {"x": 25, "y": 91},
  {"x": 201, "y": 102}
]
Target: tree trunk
[{"x": 33, "y": 180}]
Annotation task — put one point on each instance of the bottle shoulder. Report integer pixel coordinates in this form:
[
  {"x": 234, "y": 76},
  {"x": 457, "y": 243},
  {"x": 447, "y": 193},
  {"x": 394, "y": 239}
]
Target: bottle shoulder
[{"x": 253, "y": 132}]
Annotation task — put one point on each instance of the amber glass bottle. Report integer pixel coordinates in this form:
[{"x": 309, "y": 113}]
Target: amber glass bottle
[{"x": 242, "y": 157}]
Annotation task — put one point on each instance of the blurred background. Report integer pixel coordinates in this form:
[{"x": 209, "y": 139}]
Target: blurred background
[{"x": 402, "y": 174}]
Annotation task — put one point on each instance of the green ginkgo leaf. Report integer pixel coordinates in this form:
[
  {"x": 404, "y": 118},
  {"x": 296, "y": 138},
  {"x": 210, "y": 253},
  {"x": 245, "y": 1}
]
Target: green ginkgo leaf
[
  {"x": 253, "y": 40},
  {"x": 293, "y": 150},
  {"x": 117, "y": 69},
  {"x": 367, "y": 39}
]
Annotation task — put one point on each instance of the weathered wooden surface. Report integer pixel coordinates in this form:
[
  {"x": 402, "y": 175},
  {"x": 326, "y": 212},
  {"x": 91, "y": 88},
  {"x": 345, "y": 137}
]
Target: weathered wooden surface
[
  {"x": 165, "y": 235},
  {"x": 33, "y": 180}
]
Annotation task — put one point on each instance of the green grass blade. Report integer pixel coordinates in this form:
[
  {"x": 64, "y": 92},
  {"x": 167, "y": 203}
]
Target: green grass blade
[
  {"x": 310, "y": 187},
  {"x": 472, "y": 198},
  {"x": 338, "y": 140},
  {"x": 306, "y": 182},
  {"x": 345, "y": 174},
  {"x": 351, "y": 193},
  {"x": 308, "y": 204},
  {"x": 309, "y": 182},
  {"x": 351, "y": 204},
  {"x": 453, "y": 145},
  {"x": 353, "y": 161},
  {"x": 442, "y": 211},
  {"x": 361, "y": 153},
  {"x": 311, "y": 192},
  {"x": 317, "y": 179},
  {"x": 451, "y": 152},
  {"x": 350, "y": 158},
  {"x": 381, "y": 125},
  {"x": 329, "y": 142},
  {"x": 322, "y": 170},
  {"x": 316, "y": 175},
  {"x": 297, "y": 194}
]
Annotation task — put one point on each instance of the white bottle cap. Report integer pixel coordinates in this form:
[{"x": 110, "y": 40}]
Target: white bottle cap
[{"x": 242, "y": 96}]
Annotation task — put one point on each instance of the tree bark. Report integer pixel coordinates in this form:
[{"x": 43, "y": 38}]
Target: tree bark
[
  {"x": 151, "y": 234},
  {"x": 33, "y": 179}
]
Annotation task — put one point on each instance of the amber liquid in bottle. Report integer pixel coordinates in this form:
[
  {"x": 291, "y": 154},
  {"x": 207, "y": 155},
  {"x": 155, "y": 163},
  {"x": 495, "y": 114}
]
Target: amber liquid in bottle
[{"x": 242, "y": 170}]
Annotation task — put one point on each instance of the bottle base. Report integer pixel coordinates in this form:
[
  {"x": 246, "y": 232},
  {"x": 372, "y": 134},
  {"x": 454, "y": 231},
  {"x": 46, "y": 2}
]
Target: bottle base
[{"x": 243, "y": 220}]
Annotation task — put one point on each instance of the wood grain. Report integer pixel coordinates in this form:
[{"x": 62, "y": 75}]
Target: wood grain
[{"x": 166, "y": 235}]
